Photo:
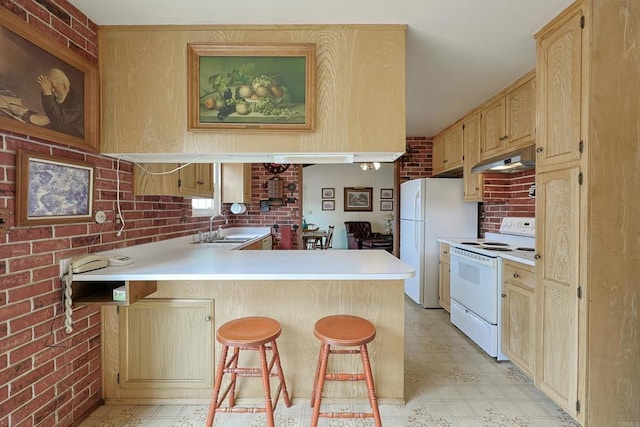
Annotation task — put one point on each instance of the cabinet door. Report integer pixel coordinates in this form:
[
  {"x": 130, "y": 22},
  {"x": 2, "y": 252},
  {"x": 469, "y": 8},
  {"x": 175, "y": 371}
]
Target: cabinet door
[
  {"x": 520, "y": 116},
  {"x": 454, "y": 147},
  {"x": 165, "y": 346},
  {"x": 473, "y": 182},
  {"x": 518, "y": 325},
  {"x": 152, "y": 179},
  {"x": 197, "y": 180},
  {"x": 557, "y": 273},
  {"x": 236, "y": 183},
  {"x": 439, "y": 154},
  {"x": 493, "y": 128},
  {"x": 559, "y": 81}
]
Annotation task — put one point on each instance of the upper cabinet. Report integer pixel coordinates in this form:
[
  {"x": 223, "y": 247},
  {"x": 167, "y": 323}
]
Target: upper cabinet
[
  {"x": 236, "y": 183},
  {"x": 448, "y": 150},
  {"x": 509, "y": 120},
  {"x": 144, "y": 78},
  {"x": 473, "y": 182},
  {"x": 174, "y": 179}
]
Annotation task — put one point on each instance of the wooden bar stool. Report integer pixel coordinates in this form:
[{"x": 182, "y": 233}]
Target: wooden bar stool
[
  {"x": 248, "y": 333},
  {"x": 343, "y": 331}
]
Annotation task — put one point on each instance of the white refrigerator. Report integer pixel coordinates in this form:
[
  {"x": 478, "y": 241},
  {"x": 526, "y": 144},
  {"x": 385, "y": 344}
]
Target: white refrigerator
[{"x": 431, "y": 208}]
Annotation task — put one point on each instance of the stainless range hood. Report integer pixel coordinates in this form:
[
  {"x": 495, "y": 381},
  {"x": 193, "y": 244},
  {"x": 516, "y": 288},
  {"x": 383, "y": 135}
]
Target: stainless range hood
[{"x": 516, "y": 161}]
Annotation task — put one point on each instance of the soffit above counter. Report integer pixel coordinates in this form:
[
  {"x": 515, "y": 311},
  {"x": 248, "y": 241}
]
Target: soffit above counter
[{"x": 294, "y": 158}]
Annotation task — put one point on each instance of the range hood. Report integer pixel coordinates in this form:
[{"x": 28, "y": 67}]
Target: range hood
[{"x": 516, "y": 161}]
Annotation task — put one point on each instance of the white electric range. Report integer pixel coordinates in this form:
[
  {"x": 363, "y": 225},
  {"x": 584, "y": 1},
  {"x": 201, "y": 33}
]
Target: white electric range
[{"x": 476, "y": 279}]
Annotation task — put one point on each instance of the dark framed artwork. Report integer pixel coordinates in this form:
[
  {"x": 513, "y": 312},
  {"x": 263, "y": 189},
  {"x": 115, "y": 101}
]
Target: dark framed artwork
[
  {"x": 328, "y": 205},
  {"x": 386, "y": 193},
  {"x": 51, "y": 190},
  {"x": 386, "y": 205},
  {"x": 328, "y": 193},
  {"x": 358, "y": 199},
  {"x": 251, "y": 86},
  {"x": 46, "y": 90}
]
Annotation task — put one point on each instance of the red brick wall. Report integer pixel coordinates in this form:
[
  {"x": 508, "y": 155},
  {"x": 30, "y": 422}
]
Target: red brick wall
[
  {"x": 48, "y": 377},
  {"x": 506, "y": 195},
  {"x": 417, "y": 161},
  {"x": 287, "y": 214}
]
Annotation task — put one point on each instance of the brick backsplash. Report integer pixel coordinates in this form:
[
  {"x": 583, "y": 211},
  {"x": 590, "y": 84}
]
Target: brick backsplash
[
  {"x": 506, "y": 195},
  {"x": 48, "y": 377}
]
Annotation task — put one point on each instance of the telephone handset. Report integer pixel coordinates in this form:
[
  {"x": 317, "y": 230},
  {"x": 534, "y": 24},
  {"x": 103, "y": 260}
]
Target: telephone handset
[{"x": 84, "y": 263}]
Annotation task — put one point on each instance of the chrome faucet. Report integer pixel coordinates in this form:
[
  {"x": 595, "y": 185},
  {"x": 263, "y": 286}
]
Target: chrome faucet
[{"x": 213, "y": 218}]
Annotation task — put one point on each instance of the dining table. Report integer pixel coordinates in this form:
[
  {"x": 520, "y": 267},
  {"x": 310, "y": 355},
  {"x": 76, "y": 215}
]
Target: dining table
[{"x": 311, "y": 234}]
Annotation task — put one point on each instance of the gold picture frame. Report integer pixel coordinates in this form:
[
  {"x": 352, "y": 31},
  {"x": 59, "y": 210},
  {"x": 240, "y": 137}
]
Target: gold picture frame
[
  {"x": 251, "y": 86},
  {"x": 30, "y": 55},
  {"x": 358, "y": 199},
  {"x": 52, "y": 190}
]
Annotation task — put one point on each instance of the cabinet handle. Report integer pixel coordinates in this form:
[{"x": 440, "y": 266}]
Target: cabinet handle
[
  {"x": 504, "y": 295},
  {"x": 207, "y": 318},
  {"x": 537, "y": 256},
  {"x": 516, "y": 275},
  {"x": 539, "y": 150},
  {"x": 445, "y": 252}
]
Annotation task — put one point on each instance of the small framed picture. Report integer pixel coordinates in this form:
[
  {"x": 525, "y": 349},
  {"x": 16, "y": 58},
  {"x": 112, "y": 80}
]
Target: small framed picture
[
  {"x": 328, "y": 205},
  {"x": 358, "y": 199},
  {"x": 328, "y": 193},
  {"x": 386, "y": 193},
  {"x": 386, "y": 205}
]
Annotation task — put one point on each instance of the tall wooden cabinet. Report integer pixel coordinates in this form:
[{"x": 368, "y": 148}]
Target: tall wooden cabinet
[{"x": 586, "y": 212}]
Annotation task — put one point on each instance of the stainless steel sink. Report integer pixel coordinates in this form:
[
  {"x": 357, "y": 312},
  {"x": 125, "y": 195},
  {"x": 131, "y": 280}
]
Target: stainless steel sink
[{"x": 224, "y": 240}]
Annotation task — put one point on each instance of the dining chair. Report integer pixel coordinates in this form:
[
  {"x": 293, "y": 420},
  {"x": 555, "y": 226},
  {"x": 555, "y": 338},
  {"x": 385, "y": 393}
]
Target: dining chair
[
  {"x": 329, "y": 238},
  {"x": 310, "y": 236}
]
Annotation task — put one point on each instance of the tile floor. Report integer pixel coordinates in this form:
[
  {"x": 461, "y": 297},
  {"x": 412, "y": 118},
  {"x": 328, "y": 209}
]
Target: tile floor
[{"x": 449, "y": 381}]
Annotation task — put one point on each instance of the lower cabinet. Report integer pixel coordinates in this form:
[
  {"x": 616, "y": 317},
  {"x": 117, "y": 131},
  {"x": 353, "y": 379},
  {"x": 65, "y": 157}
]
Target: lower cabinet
[
  {"x": 518, "y": 314},
  {"x": 178, "y": 333},
  {"x": 444, "y": 277},
  {"x": 265, "y": 243}
]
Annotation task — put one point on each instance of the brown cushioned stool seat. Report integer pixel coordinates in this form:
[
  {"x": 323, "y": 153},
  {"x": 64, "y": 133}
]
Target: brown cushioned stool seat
[
  {"x": 254, "y": 334},
  {"x": 343, "y": 331}
]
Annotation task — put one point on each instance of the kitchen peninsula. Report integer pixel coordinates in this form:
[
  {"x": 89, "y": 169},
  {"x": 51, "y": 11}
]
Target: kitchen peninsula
[{"x": 160, "y": 348}]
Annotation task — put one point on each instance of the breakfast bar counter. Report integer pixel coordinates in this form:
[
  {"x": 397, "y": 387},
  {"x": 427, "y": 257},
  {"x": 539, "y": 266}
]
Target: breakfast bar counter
[{"x": 162, "y": 348}]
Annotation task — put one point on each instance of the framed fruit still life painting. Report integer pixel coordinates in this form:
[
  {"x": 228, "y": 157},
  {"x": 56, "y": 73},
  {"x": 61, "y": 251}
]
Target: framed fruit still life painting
[{"x": 251, "y": 86}]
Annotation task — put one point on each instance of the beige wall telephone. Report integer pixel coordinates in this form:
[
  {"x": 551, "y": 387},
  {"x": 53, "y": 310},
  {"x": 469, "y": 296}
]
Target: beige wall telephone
[{"x": 83, "y": 263}]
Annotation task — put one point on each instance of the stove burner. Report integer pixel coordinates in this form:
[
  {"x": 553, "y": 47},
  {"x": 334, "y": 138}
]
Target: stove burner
[
  {"x": 498, "y": 248},
  {"x": 526, "y": 249},
  {"x": 495, "y": 244},
  {"x": 470, "y": 243}
]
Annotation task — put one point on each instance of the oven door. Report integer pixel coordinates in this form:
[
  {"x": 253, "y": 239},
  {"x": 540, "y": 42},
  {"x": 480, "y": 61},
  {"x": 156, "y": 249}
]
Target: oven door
[{"x": 474, "y": 283}]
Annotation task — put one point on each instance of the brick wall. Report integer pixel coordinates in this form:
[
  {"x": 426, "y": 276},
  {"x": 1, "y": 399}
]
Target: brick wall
[
  {"x": 417, "y": 161},
  {"x": 48, "y": 377},
  {"x": 287, "y": 214}
]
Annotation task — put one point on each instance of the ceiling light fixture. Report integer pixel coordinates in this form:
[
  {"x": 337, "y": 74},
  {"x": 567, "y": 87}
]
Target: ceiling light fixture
[{"x": 367, "y": 166}]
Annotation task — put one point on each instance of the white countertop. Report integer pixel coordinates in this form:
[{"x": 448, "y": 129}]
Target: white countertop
[
  {"x": 180, "y": 259},
  {"x": 523, "y": 257}
]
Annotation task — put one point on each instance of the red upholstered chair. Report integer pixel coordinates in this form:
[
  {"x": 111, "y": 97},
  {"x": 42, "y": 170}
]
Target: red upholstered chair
[{"x": 360, "y": 236}]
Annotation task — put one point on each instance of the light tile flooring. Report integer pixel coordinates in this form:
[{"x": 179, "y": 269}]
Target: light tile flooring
[{"x": 449, "y": 381}]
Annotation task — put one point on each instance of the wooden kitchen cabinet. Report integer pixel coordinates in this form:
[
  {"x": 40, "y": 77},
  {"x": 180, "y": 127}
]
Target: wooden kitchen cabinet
[
  {"x": 518, "y": 314},
  {"x": 236, "y": 183},
  {"x": 196, "y": 180},
  {"x": 101, "y": 293},
  {"x": 448, "y": 150},
  {"x": 168, "y": 179},
  {"x": 473, "y": 182},
  {"x": 182, "y": 331},
  {"x": 586, "y": 213},
  {"x": 509, "y": 120},
  {"x": 266, "y": 243},
  {"x": 444, "y": 277}
]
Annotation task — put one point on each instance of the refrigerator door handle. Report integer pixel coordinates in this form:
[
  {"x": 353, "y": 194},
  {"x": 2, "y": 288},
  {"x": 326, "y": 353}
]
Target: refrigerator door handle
[{"x": 416, "y": 207}]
